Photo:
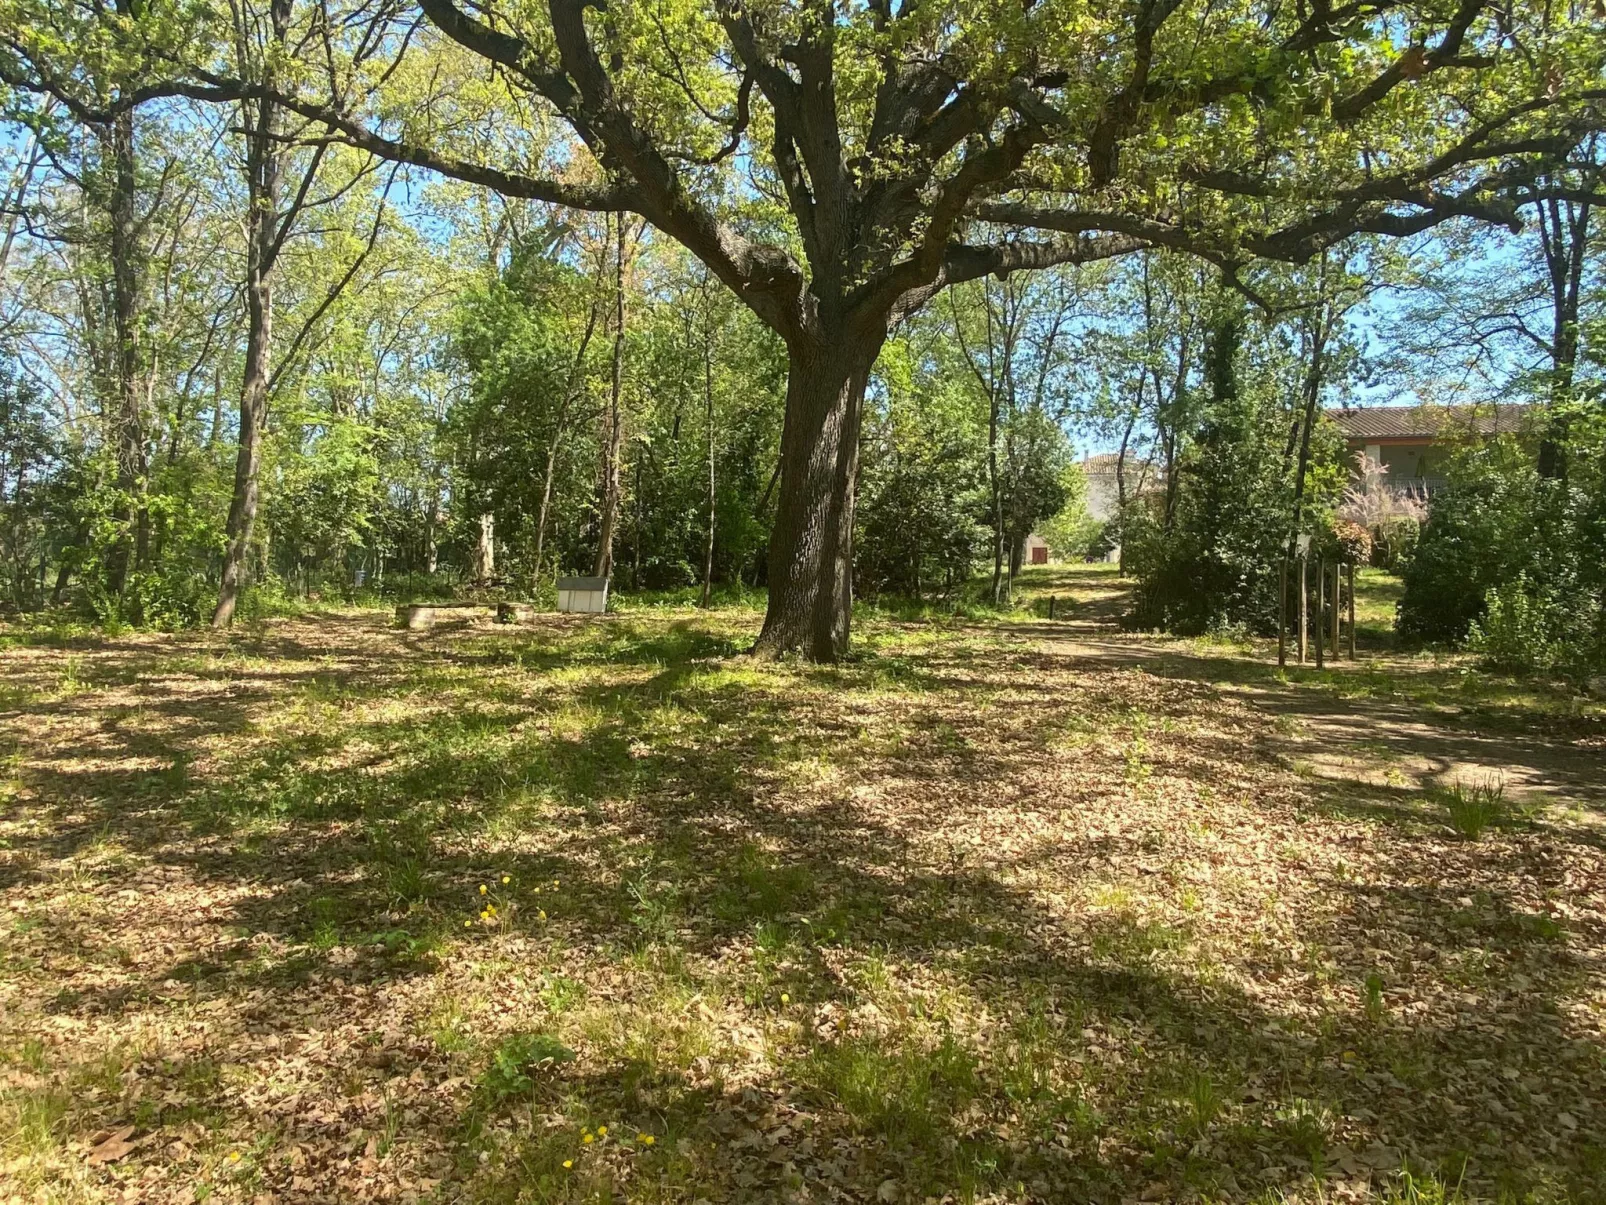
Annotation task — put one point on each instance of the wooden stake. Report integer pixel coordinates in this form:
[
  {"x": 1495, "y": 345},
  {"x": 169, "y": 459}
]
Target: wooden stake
[
  {"x": 1321, "y": 611},
  {"x": 1336, "y": 612},
  {"x": 1304, "y": 609},
  {"x": 1351, "y": 572},
  {"x": 1282, "y": 616}
]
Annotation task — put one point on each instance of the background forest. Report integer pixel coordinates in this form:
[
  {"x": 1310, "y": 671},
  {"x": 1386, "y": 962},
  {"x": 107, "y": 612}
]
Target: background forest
[{"x": 469, "y": 393}]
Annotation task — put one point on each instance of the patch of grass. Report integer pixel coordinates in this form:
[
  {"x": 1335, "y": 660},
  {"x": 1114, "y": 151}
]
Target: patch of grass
[
  {"x": 1202, "y": 1100},
  {"x": 760, "y": 886},
  {"x": 1374, "y": 997},
  {"x": 1472, "y": 808},
  {"x": 900, "y": 1090}
]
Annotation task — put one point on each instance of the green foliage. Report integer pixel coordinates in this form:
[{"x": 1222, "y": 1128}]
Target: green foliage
[
  {"x": 1514, "y": 564},
  {"x": 1479, "y": 533},
  {"x": 1213, "y": 561},
  {"x": 1523, "y": 630},
  {"x": 1348, "y": 542},
  {"x": 31, "y": 502},
  {"x": 903, "y": 1091},
  {"x": 922, "y": 477},
  {"x": 515, "y": 1063},
  {"x": 1393, "y": 542}
]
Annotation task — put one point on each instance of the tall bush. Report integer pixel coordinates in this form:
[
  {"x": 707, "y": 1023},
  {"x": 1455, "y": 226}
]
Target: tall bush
[{"x": 1513, "y": 564}]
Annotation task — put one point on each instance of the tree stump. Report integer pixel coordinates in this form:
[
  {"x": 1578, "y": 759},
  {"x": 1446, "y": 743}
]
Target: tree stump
[{"x": 511, "y": 612}]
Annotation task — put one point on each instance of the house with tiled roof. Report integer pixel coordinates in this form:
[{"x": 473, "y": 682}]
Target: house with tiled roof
[{"x": 1412, "y": 442}]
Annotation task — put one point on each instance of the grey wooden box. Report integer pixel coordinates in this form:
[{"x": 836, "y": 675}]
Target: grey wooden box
[{"x": 588, "y": 595}]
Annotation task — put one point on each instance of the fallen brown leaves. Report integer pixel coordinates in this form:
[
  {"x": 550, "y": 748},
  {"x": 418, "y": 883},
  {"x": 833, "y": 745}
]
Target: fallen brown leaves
[{"x": 987, "y": 914}]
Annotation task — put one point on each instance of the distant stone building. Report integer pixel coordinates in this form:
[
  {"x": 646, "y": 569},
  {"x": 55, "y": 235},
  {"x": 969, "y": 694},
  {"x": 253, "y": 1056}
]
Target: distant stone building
[{"x": 1103, "y": 486}]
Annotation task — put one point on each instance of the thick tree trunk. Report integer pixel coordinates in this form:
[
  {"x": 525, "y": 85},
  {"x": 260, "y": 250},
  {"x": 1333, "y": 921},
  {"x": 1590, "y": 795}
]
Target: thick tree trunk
[{"x": 811, "y": 545}]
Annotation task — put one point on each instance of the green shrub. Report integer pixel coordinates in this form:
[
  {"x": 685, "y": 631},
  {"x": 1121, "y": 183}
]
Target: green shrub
[
  {"x": 1478, "y": 534},
  {"x": 1521, "y": 631},
  {"x": 1393, "y": 541},
  {"x": 515, "y": 1061},
  {"x": 1348, "y": 542},
  {"x": 1514, "y": 563}
]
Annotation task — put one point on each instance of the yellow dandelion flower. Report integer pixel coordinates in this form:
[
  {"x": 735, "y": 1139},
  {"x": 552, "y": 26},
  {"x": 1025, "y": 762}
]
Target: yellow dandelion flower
[
  {"x": 568, "y": 1163},
  {"x": 234, "y": 1156},
  {"x": 491, "y": 908},
  {"x": 543, "y": 914},
  {"x": 586, "y": 1138},
  {"x": 602, "y": 1131},
  {"x": 482, "y": 888},
  {"x": 645, "y": 1139},
  {"x": 507, "y": 878},
  {"x": 785, "y": 999},
  {"x": 537, "y": 891},
  {"x": 468, "y": 924},
  {"x": 554, "y": 882}
]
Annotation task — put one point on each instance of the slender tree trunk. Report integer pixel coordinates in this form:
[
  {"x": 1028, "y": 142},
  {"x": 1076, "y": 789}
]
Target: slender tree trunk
[
  {"x": 570, "y": 395},
  {"x": 1313, "y": 393},
  {"x": 1120, "y": 491},
  {"x": 811, "y": 545},
  {"x": 431, "y": 522},
  {"x": 998, "y": 498},
  {"x": 261, "y": 230},
  {"x": 485, "y": 550},
  {"x": 129, "y": 550},
  {"x": 708, "y": 424},
  {"x": 615, "y": 436},
  {"x": 1564, "y": 234},
  {"x": 264, "y": 236}
]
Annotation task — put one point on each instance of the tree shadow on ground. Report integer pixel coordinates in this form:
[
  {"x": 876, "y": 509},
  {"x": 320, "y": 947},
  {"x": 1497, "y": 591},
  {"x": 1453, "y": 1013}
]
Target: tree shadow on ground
[{"x": 776, "y": 835}]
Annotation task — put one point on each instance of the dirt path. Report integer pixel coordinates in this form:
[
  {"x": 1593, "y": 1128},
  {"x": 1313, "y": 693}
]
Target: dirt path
[{"x": 1389, "y": 726}]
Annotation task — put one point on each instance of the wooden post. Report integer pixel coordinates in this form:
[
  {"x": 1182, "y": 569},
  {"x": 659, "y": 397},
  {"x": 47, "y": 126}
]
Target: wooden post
[
  {"x": 1336, "y": 612},
  {"x": 1350, "y": 570},
  {"x": 1321, "y": 611},
  {"x": 1051, "y": 601},
  {"x": 1282, "y": 616},
  {"x": 1304, "y": 609}
]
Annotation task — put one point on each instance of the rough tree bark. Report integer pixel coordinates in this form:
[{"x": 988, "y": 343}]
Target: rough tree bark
[
  {"x": 133, "y": 538},
  {"x": 811, "y": 545}
]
